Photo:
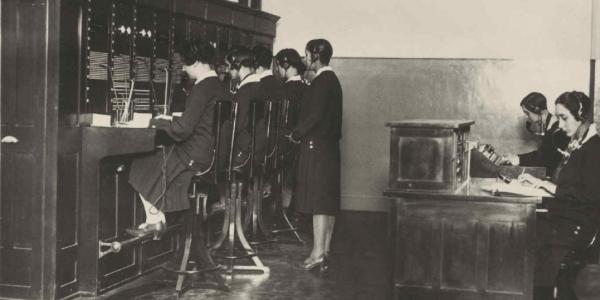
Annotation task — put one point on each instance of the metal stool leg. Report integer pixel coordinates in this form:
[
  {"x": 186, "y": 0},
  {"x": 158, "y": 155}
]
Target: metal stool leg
[
  {"x": 254, "y": 223},
  {"x": 232, "y": 226},
  {"x": 282, "y": 217}
]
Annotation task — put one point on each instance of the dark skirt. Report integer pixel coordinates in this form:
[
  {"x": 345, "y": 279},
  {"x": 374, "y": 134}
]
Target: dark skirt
[
  {"x": 146, "y": 177},
  {"x": 555, "y": 238},
  {"x": 317, "y": 190}
]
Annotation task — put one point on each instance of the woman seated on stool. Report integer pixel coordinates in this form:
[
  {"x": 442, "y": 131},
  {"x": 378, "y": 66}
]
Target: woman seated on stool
[
  {"x": 162, "y": 179},
  {"x": 574, "y": 212},
  {"x": 547, "y": 155},
  {"x": 240, "y": 63},
  {"x": 289, "y": 68},
  {"x": 318, "y": 132}
]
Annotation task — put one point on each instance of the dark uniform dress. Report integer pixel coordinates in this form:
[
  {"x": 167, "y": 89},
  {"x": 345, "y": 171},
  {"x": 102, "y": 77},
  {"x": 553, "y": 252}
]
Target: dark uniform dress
[
  {"x": 547, "y": 154},
  {"x": 192, "y": 151},
  {"x": 294, "y": 91},
  {"x": 248, "y": 91},
  {"x": 271, "y": 87},
  {"x": 319, "y": 129},
  {"x": 573, "y": 214}
]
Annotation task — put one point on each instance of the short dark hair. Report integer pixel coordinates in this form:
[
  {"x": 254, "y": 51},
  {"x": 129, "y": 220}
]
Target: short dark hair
[
  {"x": 535, "y": 102},
  {"x": 290, "y": 57},
  {"x": 192, "y": 51},
  {"x": 240, "y": 56},
  {"x": 578, "y": 104},
  {"x": 320, "y": 49},
  {"x": 262, "y": 57}
]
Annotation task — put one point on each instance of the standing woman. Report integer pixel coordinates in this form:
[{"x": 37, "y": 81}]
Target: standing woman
[
  {"x": 289, "y": 68},
  {"x": 162, "y": 179},
  {"x": 574, "y": 212},
  {"x": 318, "y": 132}
]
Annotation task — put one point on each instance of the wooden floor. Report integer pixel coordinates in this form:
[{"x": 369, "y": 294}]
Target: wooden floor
[{"x": 359, "y": 270}]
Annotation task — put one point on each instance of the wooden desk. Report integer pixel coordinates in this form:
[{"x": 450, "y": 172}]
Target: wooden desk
[
  {"x": 96, "y": 203},
  {"x": 463, "y": 245}
]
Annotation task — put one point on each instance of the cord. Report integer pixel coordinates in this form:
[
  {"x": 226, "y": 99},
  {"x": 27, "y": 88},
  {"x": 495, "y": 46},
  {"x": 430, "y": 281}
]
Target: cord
[{"x": 164, "y": 177}]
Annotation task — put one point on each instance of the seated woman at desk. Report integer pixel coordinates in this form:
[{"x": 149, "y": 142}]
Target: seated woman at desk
[
  {"x": 547, "y": 155},
  {"x": 162, "y": 179},
  {"x": 574, "y": 212}
]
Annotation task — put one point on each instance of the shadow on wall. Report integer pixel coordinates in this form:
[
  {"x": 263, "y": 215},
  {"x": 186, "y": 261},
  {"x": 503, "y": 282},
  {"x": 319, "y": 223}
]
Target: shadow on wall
[{"x": 486, "y": 91}]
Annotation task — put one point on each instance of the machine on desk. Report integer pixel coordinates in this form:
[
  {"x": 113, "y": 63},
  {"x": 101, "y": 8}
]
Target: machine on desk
[
  {"x": 429, "y": 154},
  {"x": 449, "y": 238}
]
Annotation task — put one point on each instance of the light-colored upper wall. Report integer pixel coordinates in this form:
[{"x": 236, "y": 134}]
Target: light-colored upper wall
[{"x": 531, "y": 29}]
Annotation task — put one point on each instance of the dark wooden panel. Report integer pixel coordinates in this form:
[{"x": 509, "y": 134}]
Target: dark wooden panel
[
  {"x": 218, "y": 13},
  {"x": 70, "y": 58},
  {"x": 67, "y": 199},
  {"x": 117, "y": 204},
  {"x": 265, "y": 26},
  {"x": 198, "y": 30},
  {"x": 418, "y": 252},
  {"x": 460, "y": 269},
  {"x": 452, "y": 249},
  {"x": 155, "y": 253},
  {"x": 160, "y": 4},
  {"x": 242, "y": 19},
  {"x": 507, "y": 257}
]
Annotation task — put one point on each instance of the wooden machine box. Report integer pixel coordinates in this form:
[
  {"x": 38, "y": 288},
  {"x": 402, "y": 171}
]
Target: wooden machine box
[{"x": 428, "y": 154}]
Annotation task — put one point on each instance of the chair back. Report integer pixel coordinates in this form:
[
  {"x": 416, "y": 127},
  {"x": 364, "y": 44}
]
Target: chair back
[
  {"x": 256, "y": 124},
  {"x": 222, "y": 134},
  {"x": 272, "y": 134}
]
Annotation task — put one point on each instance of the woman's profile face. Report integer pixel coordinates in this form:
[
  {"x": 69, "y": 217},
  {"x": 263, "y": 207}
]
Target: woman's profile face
[
  {"x": 531, "y": 116},
  {"x": 566, "y": 120},
  {"x": 233, "y": 72}
]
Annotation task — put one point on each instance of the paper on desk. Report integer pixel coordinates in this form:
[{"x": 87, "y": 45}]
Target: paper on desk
[
  {"x": 140, "y": 120},
  {"x": 515, "y": 188}
]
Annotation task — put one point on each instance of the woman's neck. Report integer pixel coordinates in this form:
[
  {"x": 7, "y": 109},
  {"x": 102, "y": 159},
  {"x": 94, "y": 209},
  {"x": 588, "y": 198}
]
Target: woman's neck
[{"x": 581, "y": 131}]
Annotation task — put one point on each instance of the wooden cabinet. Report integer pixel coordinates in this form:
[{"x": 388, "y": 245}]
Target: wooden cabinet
[
  {"x": 463, "y": 245},
  {"x": 63, "y": 186},
  {"x": 428, "y": 154}
]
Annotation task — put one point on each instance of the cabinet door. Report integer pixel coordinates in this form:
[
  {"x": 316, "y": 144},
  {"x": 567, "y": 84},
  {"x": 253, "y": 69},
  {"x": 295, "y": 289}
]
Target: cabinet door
[{"x": 26, "y": 148}]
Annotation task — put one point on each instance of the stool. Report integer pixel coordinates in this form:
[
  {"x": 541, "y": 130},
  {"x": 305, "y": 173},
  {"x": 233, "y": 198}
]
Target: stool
[
  {"x": 282, "y": 223},
  {"x": 201, "y": 181},
  {"x": 232, "y": 221}
]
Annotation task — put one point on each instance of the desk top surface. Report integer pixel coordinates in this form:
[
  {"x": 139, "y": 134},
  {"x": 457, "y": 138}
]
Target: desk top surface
[{"x": 471, "y": 191}]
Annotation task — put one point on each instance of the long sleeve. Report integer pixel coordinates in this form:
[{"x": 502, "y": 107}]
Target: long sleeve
[
  {"x": 316, "y": 105},
  {"x": 531, "y": 159},
  {"x": 180, "y": 128},
  {"x": 587, "y": 190}
]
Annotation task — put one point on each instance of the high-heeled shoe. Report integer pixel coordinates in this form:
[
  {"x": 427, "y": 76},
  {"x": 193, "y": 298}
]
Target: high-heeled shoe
[
  {"x": 320, "y": 262},
  {"x": 157, "y": 229}
]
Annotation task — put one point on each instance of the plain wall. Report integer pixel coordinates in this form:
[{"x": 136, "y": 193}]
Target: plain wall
[{"x": 401, "y": 59}]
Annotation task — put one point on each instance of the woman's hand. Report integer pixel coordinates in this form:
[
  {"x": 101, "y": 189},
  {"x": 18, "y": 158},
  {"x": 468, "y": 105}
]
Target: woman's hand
[
  {"x": 538, "y": 183},
  {"x": 291, "y": 139},
  {"x": 513, "y": 159},
  {"x": 164, "y": 117}
]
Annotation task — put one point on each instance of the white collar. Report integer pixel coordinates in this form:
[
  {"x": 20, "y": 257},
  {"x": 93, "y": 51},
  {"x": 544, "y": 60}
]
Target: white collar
[
  {"x": 323, "y": 69},
  {"x": 294, "y": 78},
  {"x": 592, "y": 131},
  {"x": 265, "y": 74},
  {"x": 250, "y": 78},
  {"x": 210, "y": 73}
]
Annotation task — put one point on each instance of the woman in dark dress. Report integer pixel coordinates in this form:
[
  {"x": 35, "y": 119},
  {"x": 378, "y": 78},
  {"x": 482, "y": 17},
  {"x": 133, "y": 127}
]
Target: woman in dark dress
[
  {"x": 289, "y": 68},
  {"x": 162, "y": 179},
  {"x": 574, "y": 212},
  {"x": 318, "y": 132},
  {"x": 553, "y": 139}
]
